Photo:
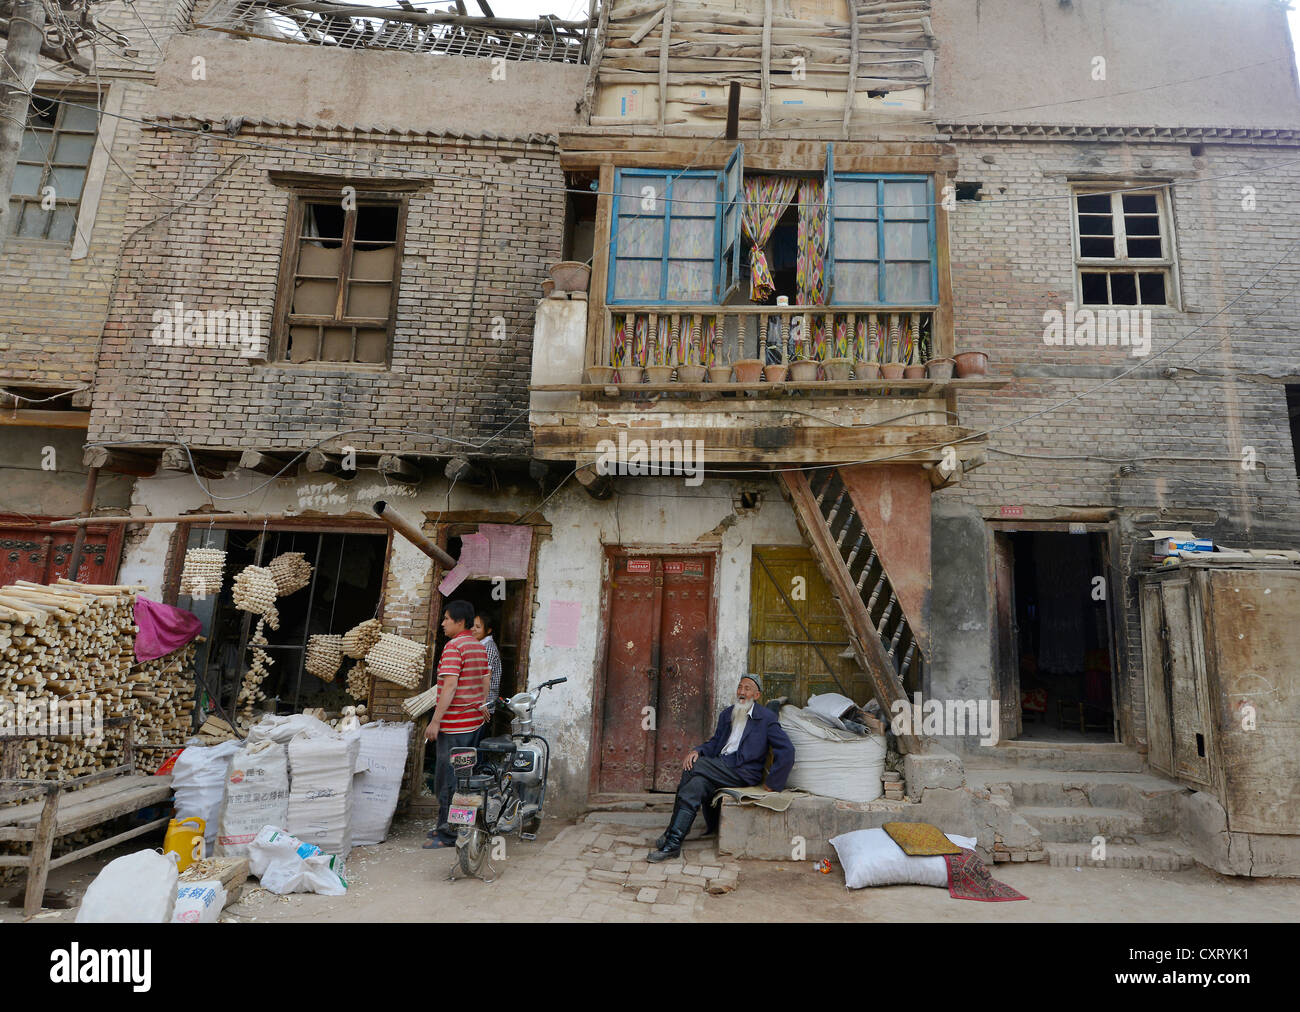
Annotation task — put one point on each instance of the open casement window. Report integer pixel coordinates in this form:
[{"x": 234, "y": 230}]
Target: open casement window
[
  {"x": 676, "y": 235},
  {"x": 882, "y": 240},
  {"x": 1124, "y": 247},
  {"x": 338, "y": 298},
  {"x": 52, "y": 165}
]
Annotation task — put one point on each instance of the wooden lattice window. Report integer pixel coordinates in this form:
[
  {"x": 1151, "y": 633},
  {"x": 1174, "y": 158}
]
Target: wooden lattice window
[
  {"x": 52, "y": 165},
  {"x": 1124, "y": 247},
  {"x": 339, "y": 283}
]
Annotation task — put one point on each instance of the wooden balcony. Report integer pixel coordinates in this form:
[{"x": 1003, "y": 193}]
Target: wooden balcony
[{"x": 697, "y": 372}]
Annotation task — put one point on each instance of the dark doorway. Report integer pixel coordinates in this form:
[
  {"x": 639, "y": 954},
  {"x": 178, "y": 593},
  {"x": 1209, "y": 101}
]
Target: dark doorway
[{"x": 1055, "y": 653}]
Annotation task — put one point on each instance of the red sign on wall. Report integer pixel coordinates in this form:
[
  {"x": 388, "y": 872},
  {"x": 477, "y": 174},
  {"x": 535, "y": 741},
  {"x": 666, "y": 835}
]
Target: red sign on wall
[
  {"x": 674, "y": 567},
  {"x": 638, "y": 565},
  {"x": 1012, "y": 511}
]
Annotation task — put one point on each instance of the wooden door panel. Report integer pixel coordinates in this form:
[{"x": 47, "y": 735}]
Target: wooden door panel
[
  {"x": 1189, "y": 734},
  {"x": 682, "y": 714},
  {"x": 1008, "y": 674},
  {"x": 632, "y": 638},
  {"x": 1154, "y": 656}
]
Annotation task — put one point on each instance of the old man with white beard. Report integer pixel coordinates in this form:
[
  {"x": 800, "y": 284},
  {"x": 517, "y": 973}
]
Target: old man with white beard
[{"x": 733, "y": 757}]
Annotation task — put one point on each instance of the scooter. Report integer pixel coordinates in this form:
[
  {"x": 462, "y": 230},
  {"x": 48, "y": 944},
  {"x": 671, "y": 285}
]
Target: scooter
[{"x": 500, "y": 785}]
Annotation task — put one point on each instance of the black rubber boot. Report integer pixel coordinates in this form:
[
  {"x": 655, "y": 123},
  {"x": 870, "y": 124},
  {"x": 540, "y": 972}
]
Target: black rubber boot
[
  {"x": 677, "y": 807},
  {"x": 712, "y": 815},
  {"x": 672, "y": 845}
]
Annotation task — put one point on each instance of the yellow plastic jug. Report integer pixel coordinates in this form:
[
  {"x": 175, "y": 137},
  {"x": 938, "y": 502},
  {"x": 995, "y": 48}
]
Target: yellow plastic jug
[{"x": 185, "y": 843}]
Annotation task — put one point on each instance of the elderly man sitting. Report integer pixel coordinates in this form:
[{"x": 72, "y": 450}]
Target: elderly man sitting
[{"x": 733, "y": 757}]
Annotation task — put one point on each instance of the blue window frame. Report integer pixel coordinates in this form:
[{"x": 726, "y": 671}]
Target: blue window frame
[
  {"x": 882, "y": 240},
  {"x": 676, "y": 235}
]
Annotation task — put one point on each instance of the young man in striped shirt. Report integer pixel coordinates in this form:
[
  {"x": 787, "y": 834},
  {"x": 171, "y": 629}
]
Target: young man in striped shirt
[{"x": 458, "y": 718}]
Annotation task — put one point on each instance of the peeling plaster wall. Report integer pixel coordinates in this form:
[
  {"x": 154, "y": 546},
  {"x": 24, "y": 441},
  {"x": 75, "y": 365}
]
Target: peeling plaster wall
[{"x": 648, "y": 512}]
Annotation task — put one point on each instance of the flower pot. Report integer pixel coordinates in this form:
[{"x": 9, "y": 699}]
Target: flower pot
[
  {"x": 690, "y": 373},
  {"x": 548, "y": 286},
  {"x": 939, "y": 368},
  {"x": 719, "y": 374},
  {"x": 803, "y": 371},
  {"x": 972, "y": 363},
  {"x": 659, "y": 373},
  {"x": 914, "y": 372},
  {"x": 601, "y": 374},
  {"x": 774, "y": 373},
  {"x": 839, "y": 369},
  {"x": 570, "y": 276},
  {"x": 891, "y": 370},
  {"x": 749, "y": 370},
  {"x": 866, "y": 370},
  {"x": 629, "y": 375}
]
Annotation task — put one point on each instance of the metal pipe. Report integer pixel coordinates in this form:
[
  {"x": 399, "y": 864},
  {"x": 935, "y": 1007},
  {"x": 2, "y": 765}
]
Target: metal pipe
[
  {"x": 87, "y": 507},
  {"x": 189, "y": 518},
  {"x": 413, "y": 534}
]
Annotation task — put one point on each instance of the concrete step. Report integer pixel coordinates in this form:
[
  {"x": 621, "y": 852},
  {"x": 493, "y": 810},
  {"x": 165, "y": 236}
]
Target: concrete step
[
  {"x": 1150, "y": 796},
  {"x": 1101, "y": 758},
  {"x": 630, "y": 802},
  {"x": 1067, "y": 824},
  {"x": 1146, "y": 856}
]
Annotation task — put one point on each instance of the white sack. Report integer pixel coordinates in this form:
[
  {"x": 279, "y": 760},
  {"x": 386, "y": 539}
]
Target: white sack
[
  {"x": 871, "y": 858},
  {"x": 831, "y": 763},
  {"x": 831, "y": 704},
  {"x": 199, "y": 781},
  {"x": 374, "y": 792},
  {"x": 284, "y": 729},
  {"x": 199, "y": 902},
  {"x": 320, "y": 788},
  {"x": 137, "y": 888},
  {"x": 284, "y": 864},
  {"x": 257, "y": 795}
]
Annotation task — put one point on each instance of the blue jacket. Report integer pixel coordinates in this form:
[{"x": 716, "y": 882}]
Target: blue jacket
[{"x": 761, "y": 733}]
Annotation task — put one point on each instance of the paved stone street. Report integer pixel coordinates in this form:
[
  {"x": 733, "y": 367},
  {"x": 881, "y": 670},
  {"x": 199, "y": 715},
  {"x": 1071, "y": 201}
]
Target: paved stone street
[{"x": 596, "y": 872}]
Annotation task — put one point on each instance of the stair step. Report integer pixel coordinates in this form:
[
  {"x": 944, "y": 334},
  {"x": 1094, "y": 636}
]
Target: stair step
[
  {"x": 1066, "y": 824},
  {"x": 630, "y": 802},
  {"x": 1137, "y": 792},
  {"x": 1106, "y": 757},
  {"x": 1146, "y": 857}
]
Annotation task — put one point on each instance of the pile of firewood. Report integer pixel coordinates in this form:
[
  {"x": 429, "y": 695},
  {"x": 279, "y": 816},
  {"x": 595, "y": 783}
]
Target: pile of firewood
[{"x": 75, "y": 643}]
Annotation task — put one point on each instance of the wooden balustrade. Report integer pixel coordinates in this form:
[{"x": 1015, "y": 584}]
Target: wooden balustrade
[{"x": 772, "y": 335}]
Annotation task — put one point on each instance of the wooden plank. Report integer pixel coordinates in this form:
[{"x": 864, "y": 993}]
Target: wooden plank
[
  {"x": 42, "y": 843},
  {"x": 94, "y": 848},
  {"x": 17, "y": 814},
  {"x": 600, "y": 258},
  {"x": 46, "y": 419},
  {"x": 866, "y": 643},
  {"x": 663, "y": 63},
  {"x": 111, "y": 808},
  {"x": 765, "y": 118},
  {"x": 853, "y": 70}
]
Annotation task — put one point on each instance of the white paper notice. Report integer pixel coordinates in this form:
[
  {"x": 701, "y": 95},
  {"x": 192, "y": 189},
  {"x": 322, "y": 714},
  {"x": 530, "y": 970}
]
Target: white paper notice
[{"x": 562, "y": 624}]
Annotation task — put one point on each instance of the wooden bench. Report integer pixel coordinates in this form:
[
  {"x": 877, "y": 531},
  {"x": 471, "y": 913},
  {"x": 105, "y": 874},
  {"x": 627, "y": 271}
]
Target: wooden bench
[{"x": 69, "y": 806}]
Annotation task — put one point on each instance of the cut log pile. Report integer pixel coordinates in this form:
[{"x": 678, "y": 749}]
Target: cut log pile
[{"x": 75, "y": 643}]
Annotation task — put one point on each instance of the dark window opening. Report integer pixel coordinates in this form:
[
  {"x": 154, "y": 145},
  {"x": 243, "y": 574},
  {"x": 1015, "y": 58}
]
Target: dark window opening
[
  {"x": 580, "y": 218},
  {"x": 969, "y": 191},
  {"x": 1293, "y": 415}
]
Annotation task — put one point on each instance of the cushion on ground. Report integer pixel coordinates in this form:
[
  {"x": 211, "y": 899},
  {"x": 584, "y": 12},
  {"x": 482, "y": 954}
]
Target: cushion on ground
[
  {"x": 871, "y": 858},
  {"x": 920, "y": 839}
]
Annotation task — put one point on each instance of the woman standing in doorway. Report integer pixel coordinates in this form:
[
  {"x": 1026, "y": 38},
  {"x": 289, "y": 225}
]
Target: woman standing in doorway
[{"x": 483, "y": 630}]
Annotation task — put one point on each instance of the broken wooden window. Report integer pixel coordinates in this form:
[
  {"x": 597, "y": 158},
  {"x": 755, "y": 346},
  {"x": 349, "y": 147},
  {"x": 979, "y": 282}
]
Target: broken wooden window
[
  {"x": 52, "y": 165},
  {"x": 338, "y": 295},
  {"x": 1124, "y": 247}
]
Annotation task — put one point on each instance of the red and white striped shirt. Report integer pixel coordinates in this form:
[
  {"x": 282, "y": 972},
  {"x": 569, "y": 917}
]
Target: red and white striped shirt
[{"x": 465, "y": 659}]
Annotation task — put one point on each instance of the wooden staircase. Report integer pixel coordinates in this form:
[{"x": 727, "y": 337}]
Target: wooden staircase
[{"x": 882, "y": 639}]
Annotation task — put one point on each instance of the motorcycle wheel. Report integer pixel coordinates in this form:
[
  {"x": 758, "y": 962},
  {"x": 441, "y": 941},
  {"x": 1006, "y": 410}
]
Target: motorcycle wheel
[{"x": 472, "y": 852}]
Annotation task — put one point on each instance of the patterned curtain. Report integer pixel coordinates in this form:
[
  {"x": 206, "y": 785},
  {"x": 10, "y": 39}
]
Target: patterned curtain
[
  {"x": 766, "y": 198},
  {"x": 811, "y": 265}
]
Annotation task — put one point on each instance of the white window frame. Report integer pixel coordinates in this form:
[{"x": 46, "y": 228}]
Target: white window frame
[{"x": 1121, "y": 263}]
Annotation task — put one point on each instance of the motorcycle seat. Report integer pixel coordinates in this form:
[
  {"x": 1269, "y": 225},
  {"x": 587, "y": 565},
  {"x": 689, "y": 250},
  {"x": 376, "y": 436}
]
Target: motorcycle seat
[{"x": 503, "y": 745}]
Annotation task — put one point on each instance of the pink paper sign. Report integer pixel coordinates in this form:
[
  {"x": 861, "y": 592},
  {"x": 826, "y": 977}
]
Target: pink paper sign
[{"x": 562, "y": 624}]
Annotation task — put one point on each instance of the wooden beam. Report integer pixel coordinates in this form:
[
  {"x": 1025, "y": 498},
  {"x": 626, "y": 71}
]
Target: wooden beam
[
  {"x": 460, "y": 470},
  {"x": 765, "y": 112},
  {"x": 209, "y": 466},
  {"x": 320, "y": 462},
  {"x": 266, "y": 463},
  {"x": 853, "y": 67},
  {"x": 120, "y": 461},
  {"x": 663, "y": 63},
  {"x": 598, "y": 486},
  {"x": 400, "y": 469},
  {"x": 45, "y": 419}
]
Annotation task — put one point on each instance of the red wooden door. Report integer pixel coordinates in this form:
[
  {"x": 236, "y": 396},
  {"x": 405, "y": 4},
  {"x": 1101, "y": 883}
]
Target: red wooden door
[
  {"x": 657, "y": 669},
  {"x": 41, "y": 554}
]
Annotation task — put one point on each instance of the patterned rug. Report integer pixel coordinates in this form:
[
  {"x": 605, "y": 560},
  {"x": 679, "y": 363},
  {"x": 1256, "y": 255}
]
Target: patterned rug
[{"x": 968, "y": 879}]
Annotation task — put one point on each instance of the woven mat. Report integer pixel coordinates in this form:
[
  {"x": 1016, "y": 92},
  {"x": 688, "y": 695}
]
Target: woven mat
[
  {"x": 777, "y": 801},
  {"x": 968, "y": 879},
  {"x": 920, "y": 839}
]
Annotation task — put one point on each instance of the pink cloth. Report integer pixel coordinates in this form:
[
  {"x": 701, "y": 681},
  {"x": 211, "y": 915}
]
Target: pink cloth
[{"x": 162, "y": 628}]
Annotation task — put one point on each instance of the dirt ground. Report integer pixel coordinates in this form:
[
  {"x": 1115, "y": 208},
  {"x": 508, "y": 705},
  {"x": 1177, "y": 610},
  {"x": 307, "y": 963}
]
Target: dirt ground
[{"x": 555, "y": 878}]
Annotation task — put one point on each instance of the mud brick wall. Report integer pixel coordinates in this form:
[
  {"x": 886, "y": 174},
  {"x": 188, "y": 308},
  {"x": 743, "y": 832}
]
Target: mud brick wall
[
  {"x": 448, "y": 373},
  {"x": 1012, "y": 260}
]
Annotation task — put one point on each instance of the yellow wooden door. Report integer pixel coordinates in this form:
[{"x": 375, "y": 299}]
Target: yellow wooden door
[{"x": 790, "y": 661}]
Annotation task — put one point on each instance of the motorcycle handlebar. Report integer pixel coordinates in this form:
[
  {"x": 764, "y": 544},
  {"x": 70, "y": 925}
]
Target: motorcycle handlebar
[{"x": 553, "y": 681}]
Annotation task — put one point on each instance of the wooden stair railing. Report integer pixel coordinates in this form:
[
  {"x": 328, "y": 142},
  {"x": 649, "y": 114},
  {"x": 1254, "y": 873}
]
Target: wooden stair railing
[{"x": 882, "y": 639}]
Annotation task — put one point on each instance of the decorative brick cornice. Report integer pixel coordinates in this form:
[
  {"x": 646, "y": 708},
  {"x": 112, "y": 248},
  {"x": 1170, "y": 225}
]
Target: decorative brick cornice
[
  {"x": 1270, "y": 136},
  {"x": 346, "y": 132}
]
